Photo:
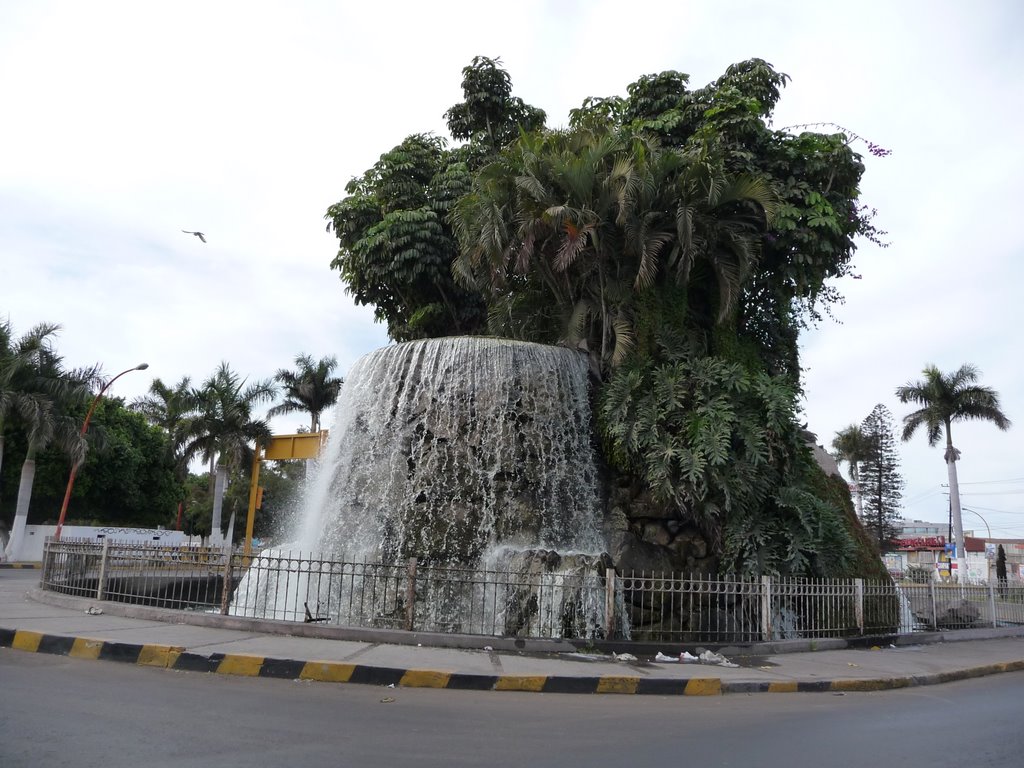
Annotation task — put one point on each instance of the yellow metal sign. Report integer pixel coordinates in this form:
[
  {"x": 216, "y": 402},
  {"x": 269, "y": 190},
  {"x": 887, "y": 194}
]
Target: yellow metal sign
[
  {"x": 305, "y": 445},
  {"x": 302, "y": 446}
]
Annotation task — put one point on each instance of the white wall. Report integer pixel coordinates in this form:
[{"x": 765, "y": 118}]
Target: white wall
[{"x": 31, "y": 550}]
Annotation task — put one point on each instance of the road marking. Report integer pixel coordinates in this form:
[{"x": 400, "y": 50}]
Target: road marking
[
  {"x": 159, "y": 655},
  {"x": 425, "y": 678},
  {"x": 27, "y": 640},
  {"x": 84, "y": 648},
  {"x": 711, "y": 686},
  {"x": 533, "y": 683},
  {"x": 239, "y": 664},
  {"x": 612, "y": 684},
  {"x": 327, "y": 671}
]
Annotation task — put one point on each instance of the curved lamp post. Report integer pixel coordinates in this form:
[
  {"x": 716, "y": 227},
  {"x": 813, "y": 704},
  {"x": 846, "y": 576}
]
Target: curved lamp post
[
  {"x": 85, "y": 427},
  {"x": 987, "y": 529},
  {"x": 988, "y": 563}
]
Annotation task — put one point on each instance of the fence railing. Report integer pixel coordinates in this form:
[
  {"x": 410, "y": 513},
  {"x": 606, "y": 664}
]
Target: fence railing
[{"x": 574, "y": 603}]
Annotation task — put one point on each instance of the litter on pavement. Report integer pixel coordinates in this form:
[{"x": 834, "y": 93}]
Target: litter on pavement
[{"x": 705, "y": 657}]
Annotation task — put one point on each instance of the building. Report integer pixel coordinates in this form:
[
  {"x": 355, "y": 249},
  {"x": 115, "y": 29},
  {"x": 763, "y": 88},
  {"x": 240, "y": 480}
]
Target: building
[{"x": 923, "y": 552}]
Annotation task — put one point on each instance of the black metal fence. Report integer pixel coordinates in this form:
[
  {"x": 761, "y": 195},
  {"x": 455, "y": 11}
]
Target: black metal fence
[{"x": 573, "y": 603}]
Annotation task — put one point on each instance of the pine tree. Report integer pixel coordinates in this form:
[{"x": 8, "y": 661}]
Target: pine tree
[{"x": 880, "y": 477}]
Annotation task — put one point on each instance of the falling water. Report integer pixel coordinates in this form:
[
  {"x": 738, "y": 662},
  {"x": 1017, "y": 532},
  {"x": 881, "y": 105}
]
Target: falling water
[
  {"x": 445, "y": 448},
  {"x": 458, "y": 451}
]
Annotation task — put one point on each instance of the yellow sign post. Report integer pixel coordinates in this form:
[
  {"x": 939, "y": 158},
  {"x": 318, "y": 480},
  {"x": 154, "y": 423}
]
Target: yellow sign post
[{"x": 305, "y": 445}]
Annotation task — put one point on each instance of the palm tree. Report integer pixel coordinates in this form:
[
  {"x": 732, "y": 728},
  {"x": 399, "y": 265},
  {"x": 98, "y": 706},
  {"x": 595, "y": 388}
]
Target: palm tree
[
  {"x": 580, "y": 223},
  {"x": 850, "y": 445},
  {"x": 16, "y": 356},
  {"x": 42, "y": 395},
  {"x": 224, "y": 430},
  {"x": 310, "y": 388},
  {"x": 945, "y": 398},
  {"x": 171, "y": 409},
  {"x": 542, "y": 217}
]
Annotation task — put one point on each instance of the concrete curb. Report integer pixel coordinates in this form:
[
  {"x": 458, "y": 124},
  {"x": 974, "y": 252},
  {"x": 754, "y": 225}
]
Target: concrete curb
[
  {"x": 178, "y": 658},
  {"x": 35, "y": 566}
]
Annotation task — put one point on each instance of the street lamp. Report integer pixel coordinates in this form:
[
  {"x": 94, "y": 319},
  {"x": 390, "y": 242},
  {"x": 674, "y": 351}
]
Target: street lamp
[
  {"x": 988, "y": 562},
  {"x": 85, "y": 427},
  {"x": 989, "y": 530}
]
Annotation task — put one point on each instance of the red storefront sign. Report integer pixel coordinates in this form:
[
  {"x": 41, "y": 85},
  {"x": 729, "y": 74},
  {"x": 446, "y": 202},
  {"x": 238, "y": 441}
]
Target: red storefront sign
[{"x": 921, "y": 542}]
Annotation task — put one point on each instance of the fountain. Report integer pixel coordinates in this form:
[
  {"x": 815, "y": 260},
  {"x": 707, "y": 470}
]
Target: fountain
[{"x": 465, "y": 451}]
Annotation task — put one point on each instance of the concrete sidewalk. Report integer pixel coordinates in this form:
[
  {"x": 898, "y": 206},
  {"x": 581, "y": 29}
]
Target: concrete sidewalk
[{"x": 45, "y": 623}]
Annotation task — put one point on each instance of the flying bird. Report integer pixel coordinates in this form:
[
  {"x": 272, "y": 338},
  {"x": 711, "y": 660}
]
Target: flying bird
[{"x": 197, "y": 234}]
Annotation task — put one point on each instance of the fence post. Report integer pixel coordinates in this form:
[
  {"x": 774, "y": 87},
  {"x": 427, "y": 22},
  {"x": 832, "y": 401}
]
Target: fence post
[
  {"x": 47, "y": 569},
  {"x": 858, "y": 590},
  {"x": 609, "y": 603},
  {"x": 410, "y": 595},
  {"x": 992, "y": 602},
  {"x": 225, "y": 598},
  {"x": 766, "y": 608},
  {"x": 101, "y": 584},
  {"x": 935, "y": 615}
]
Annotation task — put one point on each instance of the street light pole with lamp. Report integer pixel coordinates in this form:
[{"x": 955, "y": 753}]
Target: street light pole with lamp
[
  {"x": 988, "y": 562},
  {"x": 85, "y": 428}
]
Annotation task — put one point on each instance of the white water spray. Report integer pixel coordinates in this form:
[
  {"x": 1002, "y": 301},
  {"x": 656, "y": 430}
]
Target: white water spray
[
  {"x": 468, "y": 452},
  {"x": 444, "y": 448}
]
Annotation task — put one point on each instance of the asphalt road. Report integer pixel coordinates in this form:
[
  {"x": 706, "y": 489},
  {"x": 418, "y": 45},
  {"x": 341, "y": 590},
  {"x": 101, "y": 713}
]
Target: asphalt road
[{"x": 56, "y": 711}]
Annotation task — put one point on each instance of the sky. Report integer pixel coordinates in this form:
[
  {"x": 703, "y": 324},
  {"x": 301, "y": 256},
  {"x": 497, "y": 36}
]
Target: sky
[{"x": 125, "y": 123}]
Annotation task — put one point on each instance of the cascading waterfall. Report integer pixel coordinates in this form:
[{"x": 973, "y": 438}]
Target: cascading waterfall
[
  {"x": 444, "y": 447},
  {"x": 462, "y": 451}
]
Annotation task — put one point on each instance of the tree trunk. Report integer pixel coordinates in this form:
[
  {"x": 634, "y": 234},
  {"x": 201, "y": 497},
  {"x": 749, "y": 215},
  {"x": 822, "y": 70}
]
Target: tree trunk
[
  {"x": 216, "y": 534},
  {"x": 28, "y": 475},
  {"x": 860, "y": 491},
  {"x": 952, "y": 454}
]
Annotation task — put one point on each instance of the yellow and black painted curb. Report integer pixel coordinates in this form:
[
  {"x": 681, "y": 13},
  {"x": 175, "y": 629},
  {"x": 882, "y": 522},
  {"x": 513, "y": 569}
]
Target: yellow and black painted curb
[
  {"x": 35, "y": 566},
  {"x": 177, "y": 658},
  {"x": 870, "y": 684}
]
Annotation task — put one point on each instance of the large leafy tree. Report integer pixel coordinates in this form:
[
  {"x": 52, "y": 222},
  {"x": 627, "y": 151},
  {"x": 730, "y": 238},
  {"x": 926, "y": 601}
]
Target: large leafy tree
[
  {"x": 225, "y": 428},
  {"x": 945, "y": 398},
  {"x": 490, "y": 117},
  {"x": 396, "y": 244},
  {"x": 880, "y": 474},
  {"x": 131, "y": 478},
  {"x": 311, "y": 388},
  {"x": 125, "y": 478}
]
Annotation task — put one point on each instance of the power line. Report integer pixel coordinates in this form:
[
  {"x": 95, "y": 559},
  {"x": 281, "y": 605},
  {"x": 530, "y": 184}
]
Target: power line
[
  {"x": 1001, "y": 511},
  {"x": 993, "y": 493},
  {"x": 919, "y": 498}
]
